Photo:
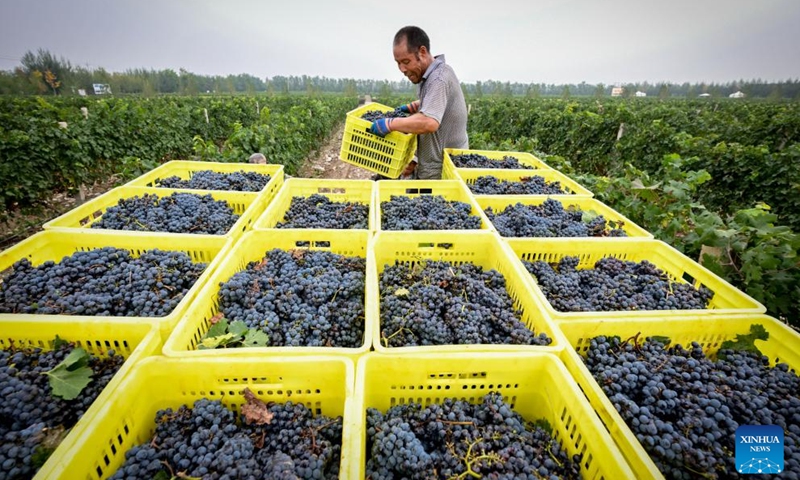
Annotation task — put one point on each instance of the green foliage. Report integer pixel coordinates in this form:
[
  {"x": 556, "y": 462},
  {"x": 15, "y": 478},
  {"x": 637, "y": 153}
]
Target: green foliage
[
  {"x": 71, "y": 376},
  {"x": 690, "y": 172},
  {"x": 129, "y": 135},
  {"x": 663, "y": 340},
  {"x": 544, "y": 425},
  {"x": 132, "y": 167},
  {"x": 747, "y": 343},
  {"x": 287, "y": 138},
  {"x": 754, "y": 254},
  {"x": 746, "y": 248},
  {"x": 662, "y": 204},
  {"x": 235, "y": 334},
  {"x": 751, "y": 149}
]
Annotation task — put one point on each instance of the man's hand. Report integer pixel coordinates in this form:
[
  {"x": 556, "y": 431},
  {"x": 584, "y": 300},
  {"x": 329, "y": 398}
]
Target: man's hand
[
  {"x": 381, "y": 127},
  {"x": 409, "y": 108}
]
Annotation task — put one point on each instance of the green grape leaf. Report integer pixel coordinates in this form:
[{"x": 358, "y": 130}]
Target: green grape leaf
[
  {"x": 255, "y": 338},
  {"x": 746, "y": 343},
  {"x": 217, "y": 341},
  {"x": 588, "y": 215},
  {"x": 661, "y": 339},
  {"x": 162, "y": 475},
  {"x": 544, "y": 425},
  {"x": 59, "y": 342},
  {"x": 238, "y": 328},
  {"x": 70, "y": 377},
  {"x": 401, "y": 292},
  {"x": 217, "y": 329}
]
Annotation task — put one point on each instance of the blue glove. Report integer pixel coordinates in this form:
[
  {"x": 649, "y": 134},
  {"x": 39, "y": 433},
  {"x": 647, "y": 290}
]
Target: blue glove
[
  {"x": 381, "y": 127},
  {"x": 409, "y": 108}
]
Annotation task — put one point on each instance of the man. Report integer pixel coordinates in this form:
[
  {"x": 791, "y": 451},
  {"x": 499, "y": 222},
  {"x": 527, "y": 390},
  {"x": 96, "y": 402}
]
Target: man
[{"x": 439, "y": 117}]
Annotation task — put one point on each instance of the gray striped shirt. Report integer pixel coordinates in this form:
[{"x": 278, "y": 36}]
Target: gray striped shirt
[{"x": 440, "y": 98}]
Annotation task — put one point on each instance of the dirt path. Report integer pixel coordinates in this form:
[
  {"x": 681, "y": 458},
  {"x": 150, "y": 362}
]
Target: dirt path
[{"x": 325, "y": 163}]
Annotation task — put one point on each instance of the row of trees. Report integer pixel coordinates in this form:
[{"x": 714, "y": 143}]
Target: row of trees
[
  {"x": 43, "y": 73},
  {"x": 751, "y": 88}
]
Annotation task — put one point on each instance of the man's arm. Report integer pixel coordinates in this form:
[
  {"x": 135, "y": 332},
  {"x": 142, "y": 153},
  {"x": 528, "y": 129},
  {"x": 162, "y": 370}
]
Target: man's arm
[
  {"x": 409, "y": 108},
  {"x": 417, "y": 124}
]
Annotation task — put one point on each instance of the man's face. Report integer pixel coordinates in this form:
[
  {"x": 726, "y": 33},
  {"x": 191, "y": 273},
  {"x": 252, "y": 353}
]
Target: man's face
[{"x": 410, "y": 63}]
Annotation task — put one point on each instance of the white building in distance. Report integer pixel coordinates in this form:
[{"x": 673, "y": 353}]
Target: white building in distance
[
  {"x": 617, "y": 91},
  {"x": 640, "y": 94},
  {"x": 736, "y": 95}
]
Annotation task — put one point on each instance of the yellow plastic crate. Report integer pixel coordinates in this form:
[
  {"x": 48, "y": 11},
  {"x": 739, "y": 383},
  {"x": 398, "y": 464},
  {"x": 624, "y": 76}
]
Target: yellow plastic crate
[
  {"x": 451, "y": 190},
  {"x": 727, "y": 299},
  {"x": 185, "y": 169},
  {"x": 83, "y": 216},
  {"x": 359, "y": 191},
  {"x": 252, "y": 247},
  {"x": 323, "y": 384},
  {"x": 783, "y": 346},
  {"x": 387, "y": 156},
  {"x": 469, "y": 175},
  {"x": 56, "y": 244},
  {"x": 449, "y": 171},
  {"x": 133, "y": 341},
  {"x": 523, "y": 157},
  {"x": 537, "y": 385},
  {"x": 498, "y": 203},
  {"x": 481, "y": 248}
]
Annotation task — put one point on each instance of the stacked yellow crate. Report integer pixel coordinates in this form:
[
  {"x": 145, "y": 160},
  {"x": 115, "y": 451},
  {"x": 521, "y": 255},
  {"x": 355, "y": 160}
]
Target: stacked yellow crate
[
  {"x": 532, "y": 379},
  {"x": 195, "y": 323},
  {"x": 186, "y": 169},
  {"x": 541, "y": 382},
  {"x": 322, "y": 384},
  {"x": 246, "y": 205},
  {"x": 730, "y": 312},
  {"x": 451, "y": 171},
  {"x": 710, "y": 332},
  {"x": 535, "y": 383},
  {"x": 134, "y": 338}
]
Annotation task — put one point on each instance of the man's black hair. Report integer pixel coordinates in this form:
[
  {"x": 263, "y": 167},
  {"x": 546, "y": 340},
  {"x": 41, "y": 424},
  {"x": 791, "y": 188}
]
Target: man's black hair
[{"x": 415, "y": 37}]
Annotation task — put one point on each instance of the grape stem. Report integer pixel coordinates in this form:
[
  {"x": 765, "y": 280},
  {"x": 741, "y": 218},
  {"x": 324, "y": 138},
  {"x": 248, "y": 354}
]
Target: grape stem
[
  {"x": 659, "y": 367},
  {"x": 455, "y": 423},
  {"x": 553, "y": 456},
  {"x": 635, "y": 339},
  {"x": 386, "y": 339},
  {"x": 470, "y": 459},
  {"x": 313, "y": 434},
  {"x": 169, "y": 467}
]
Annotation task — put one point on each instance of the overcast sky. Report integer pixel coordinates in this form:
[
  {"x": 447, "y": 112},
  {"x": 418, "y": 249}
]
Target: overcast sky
[{"x": 614, "y": 41}]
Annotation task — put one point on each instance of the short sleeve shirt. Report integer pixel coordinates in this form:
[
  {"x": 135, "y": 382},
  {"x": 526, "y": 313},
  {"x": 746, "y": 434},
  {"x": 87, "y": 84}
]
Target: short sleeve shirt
[{"x": 440, "y": 98}]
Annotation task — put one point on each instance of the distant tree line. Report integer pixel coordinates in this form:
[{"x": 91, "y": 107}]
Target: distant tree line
[
  {"x": 42, "y": 73},
  {"x": 751, "y": 88}
]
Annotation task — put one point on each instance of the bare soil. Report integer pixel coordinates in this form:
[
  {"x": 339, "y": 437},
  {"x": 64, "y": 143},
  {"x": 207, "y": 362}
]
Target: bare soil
[
  {"x": 325, "y": 163},
  {"x": 19, "y": 224}
]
